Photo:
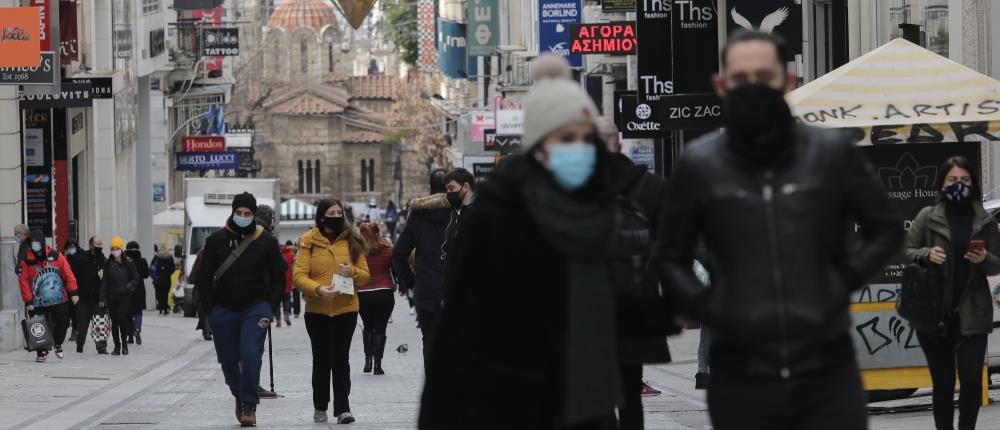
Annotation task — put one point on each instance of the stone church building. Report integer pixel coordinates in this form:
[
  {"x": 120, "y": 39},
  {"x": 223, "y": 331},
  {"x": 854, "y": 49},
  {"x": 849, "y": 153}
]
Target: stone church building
[{"x": 324, "y": 133}]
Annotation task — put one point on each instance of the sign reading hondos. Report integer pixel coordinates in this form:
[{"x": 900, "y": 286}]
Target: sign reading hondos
[
  {"x": 203, "y": 143},
  {"x": 603, "y": 38}
]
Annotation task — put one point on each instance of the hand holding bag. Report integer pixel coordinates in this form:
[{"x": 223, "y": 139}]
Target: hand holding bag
[
  {"x": 100, "y": 327},
  {"x": 37, "y": 333}
]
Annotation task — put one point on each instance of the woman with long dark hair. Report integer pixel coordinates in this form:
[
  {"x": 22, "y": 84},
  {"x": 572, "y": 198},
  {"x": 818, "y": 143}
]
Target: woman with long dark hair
[
  {"x": 376, "y": 297},
  {"x": 328, "y": 253},
  {"x": 959, "y": 237}
]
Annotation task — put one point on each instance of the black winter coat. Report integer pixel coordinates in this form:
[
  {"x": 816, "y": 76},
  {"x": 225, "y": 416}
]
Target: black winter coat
[
  {"x": 258, "y": 276},
  {"x": 425, "y": 233},
  {"x": 142, "y": 269},
  {"x": 120, "y": 279},
  {"x": 85, "y": 267},
  {"x": 503, "y": 324},
  {"x": 164, "y": 270},
  {"x": 778, "y": 305}
]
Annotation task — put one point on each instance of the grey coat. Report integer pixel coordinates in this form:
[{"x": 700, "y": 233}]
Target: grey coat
[{"x": 930, "y": 229}]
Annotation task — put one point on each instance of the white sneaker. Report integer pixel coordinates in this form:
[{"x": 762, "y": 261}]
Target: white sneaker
[
  {"x": 320, "y": 416},
  {"x": 345, "y": 418},
  {"x": 412, "y": 311}
]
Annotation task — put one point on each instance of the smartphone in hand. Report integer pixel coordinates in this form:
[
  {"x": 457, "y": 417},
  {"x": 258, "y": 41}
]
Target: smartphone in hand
[{"x": 976, "y": 246}]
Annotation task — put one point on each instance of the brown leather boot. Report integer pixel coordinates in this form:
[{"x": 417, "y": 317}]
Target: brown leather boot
[{"x": 248, "y": 415}]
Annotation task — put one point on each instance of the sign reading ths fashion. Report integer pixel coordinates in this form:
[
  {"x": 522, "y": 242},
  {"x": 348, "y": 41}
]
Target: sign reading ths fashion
[
  {"x": 695, "y": 45},
  {"x": 220, "y": 42},
  {"x": 483, "y": 32},
  {"x": 612, "y": 6},
  {"x": 203, "y": 143},
  {"x": 20, "y": 47},
  {"x": 655, "y": 53},
  {"x": 69, "y": 95},
  {"x": 554, "y": 19},
  {"x": 193, "y": 161},
  {"x": 602, "y": 38},
  {"x": 42, "y": 74}
]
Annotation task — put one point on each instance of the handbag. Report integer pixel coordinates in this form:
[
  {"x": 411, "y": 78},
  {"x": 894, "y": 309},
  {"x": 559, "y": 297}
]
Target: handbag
[
  {"x": 923, "y": 300},
  {"x": 100, "y": 327},
  {"x": 37, "y": 333}
]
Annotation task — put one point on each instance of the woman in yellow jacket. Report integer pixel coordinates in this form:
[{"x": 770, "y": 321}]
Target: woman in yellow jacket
[{"x": 331, "y": 248}]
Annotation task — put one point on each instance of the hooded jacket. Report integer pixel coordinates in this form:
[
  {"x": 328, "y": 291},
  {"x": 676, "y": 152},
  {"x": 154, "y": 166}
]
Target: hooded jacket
[
  {"x": 87, "y": 266},
  {"x": 121, "y": 279},
  {"x": 315, "y": 266},
  {"x": 46, "y": 281},
  {"x": 425, "y": 234},
  {"x": 165, "y": 267},
  {"x": 142, "y": 269},
  {"x": 257, "y": 276}
]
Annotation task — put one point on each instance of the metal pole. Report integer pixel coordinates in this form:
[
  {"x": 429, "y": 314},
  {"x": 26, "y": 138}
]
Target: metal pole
[{"x": 270, "y": 356}]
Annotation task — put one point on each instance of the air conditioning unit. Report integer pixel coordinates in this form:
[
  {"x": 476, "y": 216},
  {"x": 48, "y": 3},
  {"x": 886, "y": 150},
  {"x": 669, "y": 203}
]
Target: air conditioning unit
[{"x": 219, "y": 198}]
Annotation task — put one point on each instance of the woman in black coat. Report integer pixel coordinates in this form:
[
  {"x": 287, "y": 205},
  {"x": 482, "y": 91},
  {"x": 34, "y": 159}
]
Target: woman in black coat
[
  {"x": 139, "y": 296},
  {"x": 164, "y": 263},
  {"x": 529, "y": 308},
  {"x": 119, "y": 282}
]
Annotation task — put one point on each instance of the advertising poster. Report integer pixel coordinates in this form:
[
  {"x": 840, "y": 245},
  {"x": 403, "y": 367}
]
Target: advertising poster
[{"x": 554, "y": 20}]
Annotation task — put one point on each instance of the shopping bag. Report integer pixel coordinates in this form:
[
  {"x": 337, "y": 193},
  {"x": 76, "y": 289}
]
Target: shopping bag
[
  {"x": 37, "y": 333},
  {"x": 100, "y": 327}
]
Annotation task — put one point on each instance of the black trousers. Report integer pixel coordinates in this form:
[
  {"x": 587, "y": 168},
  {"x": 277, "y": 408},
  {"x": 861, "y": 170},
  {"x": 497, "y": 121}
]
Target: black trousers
[
  {"x": 375, "y": 309},
  {"x": 428, "y": 326},
  {"x": 85, "y": 309},
  {"x": 120, "y": 310},
  {"x": 296, "y": 301},
  {"x": 58, "y": 317},
  {"x": 944, "y": 356},
  {"x": 630, "y": 414},
  {"x": 330, "y": 339},
  {"x": 161, "y": 296},
  {"x": 830, "y": 400}
]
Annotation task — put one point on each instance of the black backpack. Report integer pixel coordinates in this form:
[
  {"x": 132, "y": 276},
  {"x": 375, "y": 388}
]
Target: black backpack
[{"x": 924, "y": 301}]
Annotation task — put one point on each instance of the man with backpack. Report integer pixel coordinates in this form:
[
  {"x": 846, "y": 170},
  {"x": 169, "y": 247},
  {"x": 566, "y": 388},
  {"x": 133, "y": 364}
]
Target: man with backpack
[
  {"x": 47, "y": 286},
  {"x": 240, "y": 283}
]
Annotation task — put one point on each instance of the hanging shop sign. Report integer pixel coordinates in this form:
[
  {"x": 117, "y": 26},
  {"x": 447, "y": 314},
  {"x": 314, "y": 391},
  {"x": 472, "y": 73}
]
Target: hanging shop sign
[
  {"x": 510, "y": 122},
  {"x": 480, "y": 121},
  {"x": 655, "y": 51},
  {"x": 44, "y": 23},
  {"x": 638, "y": 120},
  {"x": 617, "y": 6},
  {"x": 483, "y": 30},
  {"x": 426, "y": 46},
  {"x": 203, "y": 143},
  {"x": 69, "y": 95},
  {"x": 554, "y": 20},
  {"x": 603, "y": 38},
  {"x": 68, "y": 38},
  {"x": 42, "y": 74},
  {"x": 451, "y": 49},
  {"x": 100, "y": 88},
  {"x": 508, "y": 144},
  {"x": 695, "y": 45},
  {"x": 193, "y": 161},
  {"x": 482, "y": 171},
  {"x": 196, "y": 4},
  {"x": 490, "y": 139},
  {"x": 220, "y": 42},
  {"x": 781, "y": 17},
  {"x": 21, "y": 34},
  {"x": 157, "y": 42},
  {"x": 691, "y": 111}
]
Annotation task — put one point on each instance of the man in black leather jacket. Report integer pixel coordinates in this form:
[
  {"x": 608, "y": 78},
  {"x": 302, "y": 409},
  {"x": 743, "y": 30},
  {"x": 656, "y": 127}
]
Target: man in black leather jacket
[{"x": 774, "y": 201}]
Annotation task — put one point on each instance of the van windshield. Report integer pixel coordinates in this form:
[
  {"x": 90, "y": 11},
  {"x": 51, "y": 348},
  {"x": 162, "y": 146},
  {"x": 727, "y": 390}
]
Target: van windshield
[{"x": 198, "y": 236}]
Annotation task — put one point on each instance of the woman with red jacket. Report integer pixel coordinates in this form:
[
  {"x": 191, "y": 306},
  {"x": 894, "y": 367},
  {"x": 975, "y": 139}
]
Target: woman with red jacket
[
  {"x": 286, "y": 299},
  {"x": 376, "y": 297},
  {"x": 47, "y": 284}
]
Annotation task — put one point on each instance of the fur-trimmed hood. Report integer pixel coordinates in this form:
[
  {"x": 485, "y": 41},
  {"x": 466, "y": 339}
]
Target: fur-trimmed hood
[{"x": 431, "y": 202}]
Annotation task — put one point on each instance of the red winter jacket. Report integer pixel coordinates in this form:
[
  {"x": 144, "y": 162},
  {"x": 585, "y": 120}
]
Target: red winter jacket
[
  {"x": 30, "y": 269},
  {"x": 289, "y": 255}
]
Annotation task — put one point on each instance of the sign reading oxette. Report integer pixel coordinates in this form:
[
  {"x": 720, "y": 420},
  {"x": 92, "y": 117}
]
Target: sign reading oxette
[
  {"x": 193, "y": 161},
  {"x": 603, "y": 38},
  {"x": 220, "y": 42},
  {"x": 203, "y": 144}
]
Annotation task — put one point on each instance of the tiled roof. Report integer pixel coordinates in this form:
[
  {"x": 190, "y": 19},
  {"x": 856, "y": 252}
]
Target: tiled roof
[
  {"x": 307, "y": 104},
  {"x": 363, "y": 137},
  {"x": 293, "y": 14},
  {"x": 373, "y": 87}
]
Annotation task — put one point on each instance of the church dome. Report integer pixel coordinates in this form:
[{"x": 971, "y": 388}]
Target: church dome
[{"x": 292, "y": 14}]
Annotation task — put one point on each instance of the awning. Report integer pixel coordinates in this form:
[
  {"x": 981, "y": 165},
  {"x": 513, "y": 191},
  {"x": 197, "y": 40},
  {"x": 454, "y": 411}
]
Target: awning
[
  {"x": 903, "y": 93},
  {"x": 172, "y": 217},
  {"x": 297, "y": 210}
]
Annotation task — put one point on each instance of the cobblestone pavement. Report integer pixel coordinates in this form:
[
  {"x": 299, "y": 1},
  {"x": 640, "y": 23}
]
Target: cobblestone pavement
[{"x": 172, "y": 381}]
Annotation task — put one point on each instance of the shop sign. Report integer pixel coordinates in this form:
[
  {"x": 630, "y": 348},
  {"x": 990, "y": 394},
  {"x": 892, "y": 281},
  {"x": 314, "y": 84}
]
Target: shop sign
[
  {"x": 480, "y": 120},
  {"x": 554, "y": 19},
  {"x": 220, "y": 42},
  {"x": 483, "y": 27},
  {"x": 508, "y": 144},
  {"x": 159, "y": 192},
  {"x": 20, "y": 39},
  {"x": 193, "y": 161},
  {"x": 691, "y": 111},
  {"x": 203, "y": 144},
  {"x": 157, "y": 42},
  {"x": 481, "y": 171},
  {"x": 510, "y": 122},
  {"x": 69, "y": 95},
  {"x": 100, "y": 88},
  {"x": 604, "y": 38},
  {"x": 42, "y": 74},
  {"x": 781, "y": 17},
  {"x": 490, "y": 139},
  {"x": 451, "y": 49},
  {"x": 695, "y": 45},
  {"x": 617, "y": 6},
  {"x": 638, "y": 119},
  {"x": 196, "y": 4},
  {"x": 44, "y": 23},
  {"x": 68, "y": 43},
  {"x": 655, "y": 53}
]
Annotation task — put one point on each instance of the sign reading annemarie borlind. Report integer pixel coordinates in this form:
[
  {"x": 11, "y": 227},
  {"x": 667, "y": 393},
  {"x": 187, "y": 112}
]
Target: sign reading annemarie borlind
[
  {"x": 220, "y": 42},
  {"x": 554, "y": 20},
  {"x": 193, "y": 161}
]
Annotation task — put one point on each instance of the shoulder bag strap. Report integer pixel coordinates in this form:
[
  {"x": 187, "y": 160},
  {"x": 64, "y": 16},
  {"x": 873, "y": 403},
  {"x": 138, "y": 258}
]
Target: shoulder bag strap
[{"x": 233, "y": 256}]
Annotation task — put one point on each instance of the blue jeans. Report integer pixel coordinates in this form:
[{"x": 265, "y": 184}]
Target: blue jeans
[
  {"x": 239, "y": 345},
  {"x": 137, "y": 320}
]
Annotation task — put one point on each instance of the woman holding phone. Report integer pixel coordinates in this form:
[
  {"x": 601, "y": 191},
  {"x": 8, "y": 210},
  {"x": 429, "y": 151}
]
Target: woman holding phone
[
  {"x": 960, "y": 237},
  {"x": 332, "y": 249}
]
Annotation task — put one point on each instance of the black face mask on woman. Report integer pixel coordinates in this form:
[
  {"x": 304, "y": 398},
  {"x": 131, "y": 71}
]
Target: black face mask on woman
[
  {"x": 334, "y": 224},
  {"x": 758, "y": 118}
]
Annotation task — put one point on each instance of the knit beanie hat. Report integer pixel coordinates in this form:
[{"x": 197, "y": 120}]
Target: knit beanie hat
[
  {"x": 118, "y": 242},
  {"x": 132, "y": 245},
  {"x": 549, "y": 66},
  {"x": 552, "y": 104},
  {"x": 38, "y": 236},
  {"x": 265, "y": 216},
  {"x": 245, "y": 200}
]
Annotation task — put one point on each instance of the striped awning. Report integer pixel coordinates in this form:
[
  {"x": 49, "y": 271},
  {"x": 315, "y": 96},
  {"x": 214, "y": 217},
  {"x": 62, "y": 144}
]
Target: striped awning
[
  {"x": 903, "y": 87},
  {"x": 297, "y": 210}
]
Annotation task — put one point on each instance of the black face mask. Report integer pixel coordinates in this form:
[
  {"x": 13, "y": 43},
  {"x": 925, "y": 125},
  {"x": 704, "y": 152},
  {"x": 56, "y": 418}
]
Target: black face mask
[
  {"x": 335, "y": 224},
  {"x": 759, "y": 120},
  {"x": 455, "y": 200},
  {"x": 97, "y": 250}
]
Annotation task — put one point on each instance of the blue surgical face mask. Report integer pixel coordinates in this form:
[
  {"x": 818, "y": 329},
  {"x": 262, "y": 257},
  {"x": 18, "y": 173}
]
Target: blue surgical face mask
[
  {"x": 36, "y": 246},
  {"x": 572, "y": 164},
  {"x": 243, "y": 222},
  {"x": 71, "y": 250}
]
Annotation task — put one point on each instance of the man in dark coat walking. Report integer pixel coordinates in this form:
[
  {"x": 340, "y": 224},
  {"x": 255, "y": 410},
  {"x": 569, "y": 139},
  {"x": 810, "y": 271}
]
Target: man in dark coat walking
[
  {"x": 164, "y": 265},
  {"x": 425, "y": 234},
  {"x": 138, "y": 302},
  {"x": 89, "y": 269}
]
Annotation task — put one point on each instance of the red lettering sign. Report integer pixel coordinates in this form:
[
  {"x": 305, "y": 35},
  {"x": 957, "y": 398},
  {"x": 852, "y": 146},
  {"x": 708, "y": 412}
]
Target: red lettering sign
[
  {"x": 603, "y": 38},
  {"x": 45, "y": 39},
  {"x": 203, "y": 143}
]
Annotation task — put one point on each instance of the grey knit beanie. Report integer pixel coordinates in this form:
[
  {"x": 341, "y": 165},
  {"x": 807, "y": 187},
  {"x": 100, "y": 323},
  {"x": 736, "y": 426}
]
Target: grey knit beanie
[
  {"x": 552, "y": 104},
  {"x": 549, "y": 66}
]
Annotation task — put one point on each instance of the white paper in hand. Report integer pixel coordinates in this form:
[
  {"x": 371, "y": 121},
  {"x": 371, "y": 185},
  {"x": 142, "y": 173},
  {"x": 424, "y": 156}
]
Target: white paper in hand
[{"x": 343, "y": 285}]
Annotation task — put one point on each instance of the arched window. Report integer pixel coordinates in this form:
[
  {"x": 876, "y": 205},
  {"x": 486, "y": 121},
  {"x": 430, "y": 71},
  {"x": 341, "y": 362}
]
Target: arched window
[
  {"x": 302, "y": 178},
  {"x": 304, "y": 56},
  {"x": 316, "y": 178}
]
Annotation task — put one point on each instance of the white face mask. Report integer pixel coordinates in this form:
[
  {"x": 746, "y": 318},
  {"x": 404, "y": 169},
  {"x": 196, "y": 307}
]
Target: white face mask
[{"x": 116, "y": 253}]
